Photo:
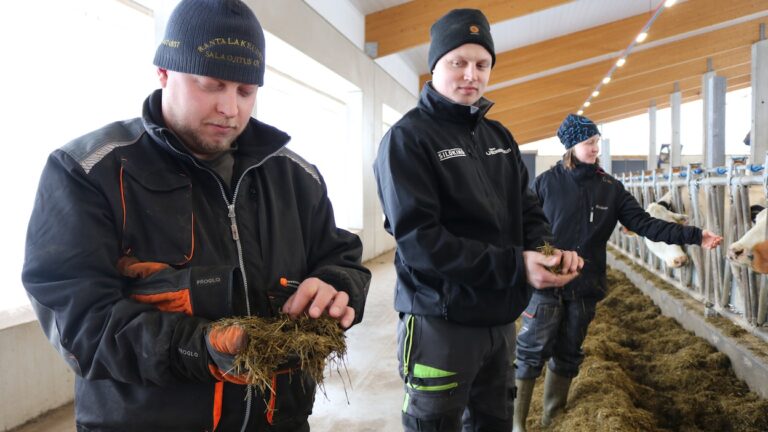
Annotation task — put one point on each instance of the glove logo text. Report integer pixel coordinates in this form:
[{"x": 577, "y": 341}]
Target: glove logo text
[
  {"x": 208, "y": 281},
  {"x": 189, "y": 353}
]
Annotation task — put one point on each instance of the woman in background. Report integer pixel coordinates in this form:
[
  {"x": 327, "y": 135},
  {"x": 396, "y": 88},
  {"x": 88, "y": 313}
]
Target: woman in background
[{"x": 583, "y": 204}]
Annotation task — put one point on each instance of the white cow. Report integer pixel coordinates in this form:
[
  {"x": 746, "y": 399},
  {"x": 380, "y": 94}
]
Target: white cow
[
  {"x": 673, "y": 255},
  {"x": 752, "y": 248}
]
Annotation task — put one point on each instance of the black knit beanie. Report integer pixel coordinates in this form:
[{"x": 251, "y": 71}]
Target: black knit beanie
[
  {"x": 456, "y": 28},
  {"x": 575, "y": 129},
  {"x": 215, "y": 38}
]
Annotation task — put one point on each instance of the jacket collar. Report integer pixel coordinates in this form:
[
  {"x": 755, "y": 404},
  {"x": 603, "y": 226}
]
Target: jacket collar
[
  {"x": 258, "y": 140},
  {"x": 582, "y": 171},
  {"x": 440, "y": 106}
]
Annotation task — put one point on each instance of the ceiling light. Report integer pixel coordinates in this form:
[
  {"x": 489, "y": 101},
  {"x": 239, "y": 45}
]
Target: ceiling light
[
  {"x": 622, "y": 60},
  {"x": 580, "y": 112}
]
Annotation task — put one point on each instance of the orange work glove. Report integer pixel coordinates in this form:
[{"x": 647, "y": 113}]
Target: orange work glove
[
  {"x": 223, "y": 344},
  {"x": 131, "y": 267}
]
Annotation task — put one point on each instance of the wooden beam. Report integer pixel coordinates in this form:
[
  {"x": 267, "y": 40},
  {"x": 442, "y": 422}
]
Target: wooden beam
[
  {"x": 614, "y": 37},
  {"x": 583, "y": 80},
  {"x": 632, "y": 88},
  {"x": 407, "y": 25},
  {"x": 546, "y": 128}
]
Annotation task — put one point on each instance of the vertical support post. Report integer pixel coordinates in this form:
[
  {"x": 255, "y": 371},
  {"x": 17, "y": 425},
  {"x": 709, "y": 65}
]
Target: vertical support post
[
  {"x": 759, "y": 133},
  {"x": 675, "y": 152},
  {"x": 714, "y": 88},
  {"x": 605, "y": 155},
  {"x": 652, "y": 156}
]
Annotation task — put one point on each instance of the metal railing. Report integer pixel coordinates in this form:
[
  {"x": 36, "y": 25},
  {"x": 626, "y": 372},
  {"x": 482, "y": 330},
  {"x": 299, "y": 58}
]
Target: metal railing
[{"x": 716, "y": 199}]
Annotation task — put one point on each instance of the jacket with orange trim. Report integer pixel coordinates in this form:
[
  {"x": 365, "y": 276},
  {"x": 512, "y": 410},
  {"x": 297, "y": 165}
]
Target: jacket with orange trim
[{"x": 130, "y": 189}]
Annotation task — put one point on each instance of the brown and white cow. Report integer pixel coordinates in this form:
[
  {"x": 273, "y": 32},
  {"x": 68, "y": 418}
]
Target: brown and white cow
[{"x": 752, "y": 248}]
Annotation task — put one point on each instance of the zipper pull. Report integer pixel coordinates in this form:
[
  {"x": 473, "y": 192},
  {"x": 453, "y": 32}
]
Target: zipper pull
[
  {"x": 591, "y": 214},
  {"x": 233, "y": 227}
]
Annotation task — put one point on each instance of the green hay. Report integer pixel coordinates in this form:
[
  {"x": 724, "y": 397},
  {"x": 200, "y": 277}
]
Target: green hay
[
  {"x": 643, "y": 372},
  {"x": 280, "y": 343},
  {"x": 548, "y": 250}
]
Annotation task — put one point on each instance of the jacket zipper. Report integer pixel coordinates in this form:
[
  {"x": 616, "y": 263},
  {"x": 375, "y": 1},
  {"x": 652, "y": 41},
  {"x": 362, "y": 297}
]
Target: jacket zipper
[{"x": 236, "y": 238}]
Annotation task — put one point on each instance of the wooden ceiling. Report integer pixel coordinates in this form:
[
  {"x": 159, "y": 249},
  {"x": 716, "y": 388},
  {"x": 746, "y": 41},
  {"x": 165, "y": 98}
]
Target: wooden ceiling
[{"x": 536, "y": 86}]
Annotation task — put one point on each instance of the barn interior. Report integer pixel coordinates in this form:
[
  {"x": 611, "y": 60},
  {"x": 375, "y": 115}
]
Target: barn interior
[{"x": 340, "y": 73}]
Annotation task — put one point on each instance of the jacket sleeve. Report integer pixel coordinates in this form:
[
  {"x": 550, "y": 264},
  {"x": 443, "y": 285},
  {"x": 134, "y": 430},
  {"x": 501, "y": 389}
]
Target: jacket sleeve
[
  {"x": 410, "y": 199},
  {"x": 636, "y": 219},
  {"x": 334, "y": 254},
  {"x": 81, "y": 300}
]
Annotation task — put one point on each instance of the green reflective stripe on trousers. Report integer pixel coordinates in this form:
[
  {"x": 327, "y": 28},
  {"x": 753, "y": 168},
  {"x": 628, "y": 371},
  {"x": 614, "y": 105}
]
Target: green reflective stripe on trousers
[
  {"x": 424, "y": 371},
  {"x": 405, "y": 402},
  {"x": 407, "y": 344},
  {"x": 433, "y": 388}
]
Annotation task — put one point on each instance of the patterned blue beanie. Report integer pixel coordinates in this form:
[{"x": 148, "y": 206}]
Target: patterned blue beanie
[
  {"x": 215, "y": 38},
  {"x": 575, "y": 129}
]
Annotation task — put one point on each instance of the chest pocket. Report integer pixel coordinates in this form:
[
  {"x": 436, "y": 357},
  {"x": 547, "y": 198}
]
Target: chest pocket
[{"x": 158, "y": 222}]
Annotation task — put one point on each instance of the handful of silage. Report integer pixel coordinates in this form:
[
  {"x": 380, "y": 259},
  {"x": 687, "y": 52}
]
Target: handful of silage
[
  {"x": 548, "y": 250},
  {"x": 280, "y": 342}
]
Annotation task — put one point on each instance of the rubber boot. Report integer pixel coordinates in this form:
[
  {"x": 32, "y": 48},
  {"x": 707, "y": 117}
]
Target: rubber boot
[
  {"x": 522, "y": 403},
  {"x": 555, "y": 396}
]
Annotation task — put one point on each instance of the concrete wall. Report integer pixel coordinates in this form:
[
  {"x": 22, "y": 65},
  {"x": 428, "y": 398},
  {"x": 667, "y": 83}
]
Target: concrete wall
[
  {"x": 544, "y": 162},
  {"x": 35, "y": 379},
  {"x": 299, "y": 25}
]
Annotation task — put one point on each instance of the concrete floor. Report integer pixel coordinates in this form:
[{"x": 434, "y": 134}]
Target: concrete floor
[{"x": 366, "y": 397}]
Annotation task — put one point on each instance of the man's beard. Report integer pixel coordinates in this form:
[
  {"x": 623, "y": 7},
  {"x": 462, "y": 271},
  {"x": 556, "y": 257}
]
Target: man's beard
[{"x": 194, "y": 143}]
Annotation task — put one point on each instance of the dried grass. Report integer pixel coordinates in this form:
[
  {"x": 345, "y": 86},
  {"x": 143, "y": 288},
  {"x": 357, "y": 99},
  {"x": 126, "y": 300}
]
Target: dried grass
[{"x": 280, "y": 343}]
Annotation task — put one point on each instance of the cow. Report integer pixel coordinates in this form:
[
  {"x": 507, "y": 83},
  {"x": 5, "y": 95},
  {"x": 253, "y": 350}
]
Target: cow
[
  {"x": 752, "y": 248},
  {"x": 673, "y": 255}
]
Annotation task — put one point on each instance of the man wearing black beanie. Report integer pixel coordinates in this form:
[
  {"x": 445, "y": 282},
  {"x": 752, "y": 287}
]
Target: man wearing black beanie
[
  {"x": 455, "y": 194},
  {"x": 146, "y": 231}
]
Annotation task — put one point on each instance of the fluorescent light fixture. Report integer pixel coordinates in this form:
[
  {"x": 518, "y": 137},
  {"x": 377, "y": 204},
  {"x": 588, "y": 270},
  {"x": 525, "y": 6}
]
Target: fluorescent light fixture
[
  {"x": 606, "y": 80},
  {"x": 580, "y": 112},
  {"x": 587, "y": 104},
  {"x": 641, "y": 37},
  {"x": 670, "y": 3},
  {"x": 620, "y": 62},
  {"x": 595, "y": 93}
]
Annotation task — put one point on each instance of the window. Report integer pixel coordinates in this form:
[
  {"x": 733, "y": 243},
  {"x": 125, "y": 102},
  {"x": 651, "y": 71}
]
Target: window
[
  {"x": 70, "y": 69},
  {"x": 322, "y": 113}
]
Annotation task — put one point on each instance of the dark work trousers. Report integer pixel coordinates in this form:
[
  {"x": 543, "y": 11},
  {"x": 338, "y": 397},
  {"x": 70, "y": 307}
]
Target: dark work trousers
[
  {"x": 456, "y": 377},
  {"x": 554, "y": 326}
]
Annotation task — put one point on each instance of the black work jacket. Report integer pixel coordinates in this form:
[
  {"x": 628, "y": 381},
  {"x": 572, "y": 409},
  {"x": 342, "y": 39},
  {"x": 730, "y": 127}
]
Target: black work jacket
[
  {"x": 454, "y": 191},
  {"x": 583, "y": 205},
  {"x": 137, "y": 345}
]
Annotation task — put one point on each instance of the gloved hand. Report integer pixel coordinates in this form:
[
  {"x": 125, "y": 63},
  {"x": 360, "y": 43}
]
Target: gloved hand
[
  {"x": 223, "y": 344},
  {"x": 131, "y": 267}
]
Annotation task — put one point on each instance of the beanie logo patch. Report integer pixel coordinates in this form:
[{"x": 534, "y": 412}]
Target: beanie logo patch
[
  {"x": 208, "y": 50},
  {"x": 473, "y": 29},
  {"x": 171, "y": 43}
]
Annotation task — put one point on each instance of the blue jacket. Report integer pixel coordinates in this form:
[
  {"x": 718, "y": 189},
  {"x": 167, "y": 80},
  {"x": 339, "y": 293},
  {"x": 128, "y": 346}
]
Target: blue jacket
[
  {"x": 131, "y": 189},
  {"x": 583, "y": 206},
  {"x": 454, "y": 191}
]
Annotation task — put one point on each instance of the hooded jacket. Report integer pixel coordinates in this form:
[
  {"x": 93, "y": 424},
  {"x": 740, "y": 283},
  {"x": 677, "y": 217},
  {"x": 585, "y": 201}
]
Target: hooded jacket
[
  {"x": 455, "y": 194},
  {"x": 583, "y": 205},
  {"x": 137, "y": 345}
]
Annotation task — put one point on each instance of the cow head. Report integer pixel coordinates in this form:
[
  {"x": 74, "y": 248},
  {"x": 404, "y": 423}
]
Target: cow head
[
  {"x": 752, "y": 242},
  {"x": 673, "y": 255}
]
